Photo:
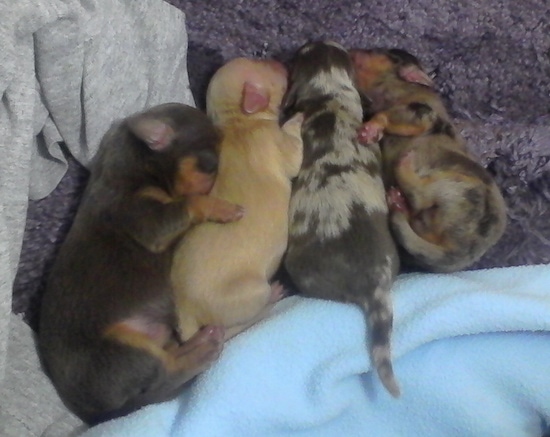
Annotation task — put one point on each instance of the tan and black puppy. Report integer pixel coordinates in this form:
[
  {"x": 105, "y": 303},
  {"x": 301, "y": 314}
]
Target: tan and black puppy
[
  {"x": 446, "y": 210},
  {"x": 108, "y": 330},
  {"x": 340, "y": 245},
  {"x": 222, "y": 274}
]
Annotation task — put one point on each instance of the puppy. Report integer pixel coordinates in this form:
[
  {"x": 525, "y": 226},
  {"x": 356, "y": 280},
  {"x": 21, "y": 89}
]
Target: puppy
[
  {"x": 446, "y": 210},
  {"x": 221, "y": 274},
  {"x": 107, "y": 334},
  {"x": 340, "y": 246}
]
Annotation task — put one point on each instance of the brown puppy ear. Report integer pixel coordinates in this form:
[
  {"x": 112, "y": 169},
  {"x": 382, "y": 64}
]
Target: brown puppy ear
[
  {"x": 255, "y": 99},
  {"x": 415, "y": 74},
  {"x": 154, "y": 132}
]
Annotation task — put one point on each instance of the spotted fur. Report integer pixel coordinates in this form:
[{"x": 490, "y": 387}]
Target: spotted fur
[
  {"x": 340, "y": 246},
  {"x": 445, "y": 209}
]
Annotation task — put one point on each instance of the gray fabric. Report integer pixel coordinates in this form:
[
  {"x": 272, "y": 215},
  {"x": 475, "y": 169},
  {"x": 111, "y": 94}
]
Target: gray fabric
[
  {"x": 68, "y": 69},
  {"x": 30, "y": 406}
]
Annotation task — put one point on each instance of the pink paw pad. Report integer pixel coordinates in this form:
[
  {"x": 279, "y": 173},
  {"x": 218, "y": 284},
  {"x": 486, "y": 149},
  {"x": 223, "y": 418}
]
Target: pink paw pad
[
  {"x": 370, "y": 133},
  {"x": 278, "y": 292},
  {"x": 396, "y": 200}
]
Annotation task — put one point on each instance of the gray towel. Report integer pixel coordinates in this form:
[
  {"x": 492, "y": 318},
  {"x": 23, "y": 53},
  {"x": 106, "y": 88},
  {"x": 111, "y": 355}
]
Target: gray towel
[{"x": 68, "y": 69}]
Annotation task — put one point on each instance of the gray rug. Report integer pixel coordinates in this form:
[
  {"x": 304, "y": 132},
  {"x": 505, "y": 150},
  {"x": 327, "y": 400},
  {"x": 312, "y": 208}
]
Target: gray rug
[{"x": 492, "y": 65}]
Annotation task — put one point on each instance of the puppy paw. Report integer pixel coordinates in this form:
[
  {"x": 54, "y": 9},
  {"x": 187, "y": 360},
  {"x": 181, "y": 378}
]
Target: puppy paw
[
  {"x": 278, "y": 292},
  {"x": 225, "y": 212},
  {"x": 207, "y": 208},
  {"x": 201, "y": 350},
  {"x": 396, "y": 200},
  {"x": 370, "y": 132}
]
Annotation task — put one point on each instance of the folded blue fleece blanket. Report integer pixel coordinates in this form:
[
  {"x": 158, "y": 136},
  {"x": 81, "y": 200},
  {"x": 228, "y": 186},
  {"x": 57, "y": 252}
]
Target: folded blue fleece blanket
[{"x": 471, "y": 354}]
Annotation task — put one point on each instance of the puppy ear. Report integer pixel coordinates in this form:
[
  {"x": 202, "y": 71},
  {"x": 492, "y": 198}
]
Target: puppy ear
[
  {"x": 415, "y": 74},
  {"x": 154, "y": 132},
  {"x": 255, "y": 99}
]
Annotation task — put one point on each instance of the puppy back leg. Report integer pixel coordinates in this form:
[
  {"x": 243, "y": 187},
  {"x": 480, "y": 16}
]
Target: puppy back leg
[
  {"x": 278, "y": 292},
  {"x": 128, "y": 370},
  {"x": 245, "y": 301},
  {"x": 191, "y": 316},
  {"x": 179, "y": 362}
]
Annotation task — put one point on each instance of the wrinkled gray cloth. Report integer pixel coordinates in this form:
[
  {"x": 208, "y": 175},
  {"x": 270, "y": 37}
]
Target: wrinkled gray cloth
[
  {"x": 68, "y": 69},
  {"x": 29, "y": 405}
]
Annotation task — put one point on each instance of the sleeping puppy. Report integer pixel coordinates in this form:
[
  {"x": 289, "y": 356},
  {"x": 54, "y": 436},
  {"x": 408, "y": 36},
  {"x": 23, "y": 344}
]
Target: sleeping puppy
[
  {"x": 446, "y": 210},
  {"x": 340, "y": 246},
  {"x": 107, "y": 335},
  {"x": 221, "y": 274}
]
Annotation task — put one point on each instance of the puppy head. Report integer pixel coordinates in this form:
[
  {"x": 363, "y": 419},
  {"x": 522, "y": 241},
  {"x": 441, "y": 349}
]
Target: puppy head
[
  {"x": 246, "y": 87},
  {"x": 446, "y": 211},
  {"x": 179, "y": 148},
  {"x": 376, "y": 65},
  {"x": 308, "y": 65}
]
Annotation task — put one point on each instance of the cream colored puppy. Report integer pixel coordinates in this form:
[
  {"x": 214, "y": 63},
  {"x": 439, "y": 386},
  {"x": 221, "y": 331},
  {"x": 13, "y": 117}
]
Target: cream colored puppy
[{"x": 221, "y": 273}]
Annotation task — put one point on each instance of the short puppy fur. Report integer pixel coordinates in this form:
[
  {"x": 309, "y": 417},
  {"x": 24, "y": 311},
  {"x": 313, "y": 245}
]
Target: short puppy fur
[
  {"x": 221, "y": 274},
  {"x": 340, "y": 246},
  {"x": 108, "y": 331},
  {"x": 446, "y": 210}
]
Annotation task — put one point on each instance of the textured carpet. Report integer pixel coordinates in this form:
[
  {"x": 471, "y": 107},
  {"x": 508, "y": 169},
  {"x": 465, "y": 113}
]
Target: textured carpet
[{"x": 492, "y": 65}]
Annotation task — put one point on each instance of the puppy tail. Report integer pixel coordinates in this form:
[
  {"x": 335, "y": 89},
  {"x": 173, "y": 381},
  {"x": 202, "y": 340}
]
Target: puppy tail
[
  {"x": 379, "y": 313},
  {"x": 423, "y": 252}
]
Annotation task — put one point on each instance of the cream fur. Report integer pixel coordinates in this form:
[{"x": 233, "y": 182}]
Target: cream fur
[{"x": 221, "y": 272}]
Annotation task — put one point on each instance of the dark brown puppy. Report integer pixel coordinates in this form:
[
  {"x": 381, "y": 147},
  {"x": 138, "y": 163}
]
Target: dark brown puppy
[
  {"x": 446, "y": 210},
  {"x": 108, "y": 332}
]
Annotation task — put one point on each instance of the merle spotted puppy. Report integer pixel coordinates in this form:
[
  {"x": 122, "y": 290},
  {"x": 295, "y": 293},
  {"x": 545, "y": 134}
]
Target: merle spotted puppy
[
  {"x": 446, "y": 210},
  {"x": 340, "y": 246}
]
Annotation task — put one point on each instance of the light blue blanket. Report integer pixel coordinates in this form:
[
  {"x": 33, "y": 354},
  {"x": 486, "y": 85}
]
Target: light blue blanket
[{"x": 471, "y": 353}]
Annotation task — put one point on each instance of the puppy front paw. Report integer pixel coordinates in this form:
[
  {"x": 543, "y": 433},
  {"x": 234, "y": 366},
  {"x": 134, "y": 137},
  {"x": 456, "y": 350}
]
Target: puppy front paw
[
  {"x": 225, "y": 212},
  {"x": 396, "y": 200},
  {"x": 207, "y": 208},
  {"x": 370, "y": 132}
]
